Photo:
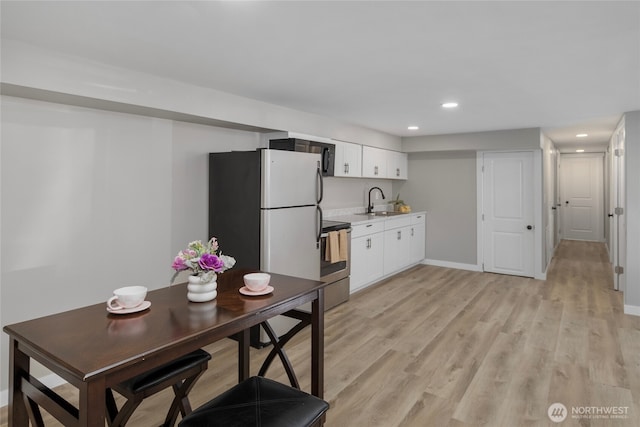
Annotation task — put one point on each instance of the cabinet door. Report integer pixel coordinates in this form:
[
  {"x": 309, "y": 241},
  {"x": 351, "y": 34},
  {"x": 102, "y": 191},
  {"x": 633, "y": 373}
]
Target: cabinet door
[
  {"x": 417, "y": 237},
  {"x": 353, "y": 159},
  {"x": 341, "y": 167},
  {"x": 359, "y": 252},
  {"x": 396, "y": 249},
  {"x": 397, "y": 165},
  {"x": 376, "y": 255},
  {"x": 348, "y": 159},
  {"x": 374, "y": 162},
  {"x": 366, "y": 254}
]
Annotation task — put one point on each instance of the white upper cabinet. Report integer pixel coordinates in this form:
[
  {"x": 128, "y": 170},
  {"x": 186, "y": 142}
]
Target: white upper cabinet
[
  {"x": 397, "y": 164},
  {"x": 348, "y": 159},
  {"x": 354, "y": 160},
  {"x": 379, "y": 163},
  {"x": 374, "y": 162}
]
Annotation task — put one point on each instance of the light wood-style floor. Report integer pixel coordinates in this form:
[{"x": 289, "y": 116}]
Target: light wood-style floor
[{"x": 441, "y": 347}]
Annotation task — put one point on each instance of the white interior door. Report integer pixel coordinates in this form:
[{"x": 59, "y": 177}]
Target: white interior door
[
  {"x": 581, "y": 182},
  {"x": 550, "y": 206},
  {"x": 507, "y": 210},
  {"x": 619, "y": 224}
]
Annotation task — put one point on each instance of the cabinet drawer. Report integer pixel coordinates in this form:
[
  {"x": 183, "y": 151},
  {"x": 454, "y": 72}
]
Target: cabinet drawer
[
  {"x": 364, "y": 229},
  {"x": 417, "y": 219},
  {"x": 400, "y": 221}
]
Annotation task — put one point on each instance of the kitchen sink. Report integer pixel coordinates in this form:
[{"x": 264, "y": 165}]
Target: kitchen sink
[{"x": 383, "y": 213}]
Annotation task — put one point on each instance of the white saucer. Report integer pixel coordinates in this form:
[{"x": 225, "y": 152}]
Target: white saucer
[
  {"x": 143, "y": 306},
  {"x": 245, "y": 291}
]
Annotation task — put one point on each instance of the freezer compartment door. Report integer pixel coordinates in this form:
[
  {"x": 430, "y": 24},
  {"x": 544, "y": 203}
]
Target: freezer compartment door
[
  {"x": 289, "y": 242},
  {"x": 289, "y": 178}
]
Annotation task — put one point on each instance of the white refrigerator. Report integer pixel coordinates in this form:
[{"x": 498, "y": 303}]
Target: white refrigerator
[{"x": 291, "y": 219}]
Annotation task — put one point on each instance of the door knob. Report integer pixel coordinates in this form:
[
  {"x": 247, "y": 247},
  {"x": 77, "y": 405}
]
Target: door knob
[
  {"x": 529, "y": 227},
  {"x": 610, "y": 215}
]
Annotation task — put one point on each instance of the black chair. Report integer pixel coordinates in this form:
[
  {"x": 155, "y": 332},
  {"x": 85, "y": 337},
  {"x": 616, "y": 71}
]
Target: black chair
[
  {"x": 181, "y": 374},
  {"x": 262, "y": 402}
]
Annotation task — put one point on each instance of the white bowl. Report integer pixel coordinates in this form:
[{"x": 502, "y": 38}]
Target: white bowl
[{"x": 256, "y": 281}]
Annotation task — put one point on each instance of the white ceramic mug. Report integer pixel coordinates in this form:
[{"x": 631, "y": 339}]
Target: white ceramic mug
[
  {"x": 127, "y": 297},
  {"x": 256, "y": 282}
]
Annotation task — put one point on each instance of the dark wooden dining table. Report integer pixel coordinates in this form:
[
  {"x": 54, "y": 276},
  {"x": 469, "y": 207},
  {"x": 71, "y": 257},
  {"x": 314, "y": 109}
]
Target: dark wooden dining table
[{"x": 93, "y": 349}]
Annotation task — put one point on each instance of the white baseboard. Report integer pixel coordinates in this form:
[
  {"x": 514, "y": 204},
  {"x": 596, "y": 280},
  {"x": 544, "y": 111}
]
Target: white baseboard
[
  {"x": 449, "y": 264},
  {"x": 633, "y": 310},
  {"x": 51, "y": 381}
]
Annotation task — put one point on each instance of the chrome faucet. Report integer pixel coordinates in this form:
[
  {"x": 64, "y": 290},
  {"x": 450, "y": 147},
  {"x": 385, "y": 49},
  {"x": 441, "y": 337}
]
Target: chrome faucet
[{"x": 370, "y": 206}]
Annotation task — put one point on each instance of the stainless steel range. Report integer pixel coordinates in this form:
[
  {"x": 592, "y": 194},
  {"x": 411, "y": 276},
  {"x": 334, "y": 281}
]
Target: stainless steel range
[{"x": 336, "y": 273}]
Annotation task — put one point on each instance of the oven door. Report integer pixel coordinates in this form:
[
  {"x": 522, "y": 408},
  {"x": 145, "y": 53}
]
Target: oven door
[{"x": 332, "y": 272}]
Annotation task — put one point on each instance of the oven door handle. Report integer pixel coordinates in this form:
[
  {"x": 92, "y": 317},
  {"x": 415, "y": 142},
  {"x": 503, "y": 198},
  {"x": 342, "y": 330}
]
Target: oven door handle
[{"x": 325, "y": 235}]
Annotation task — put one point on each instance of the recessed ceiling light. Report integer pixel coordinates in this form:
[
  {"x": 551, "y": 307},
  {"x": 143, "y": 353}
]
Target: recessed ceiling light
[
  {"x": 413, "y": 128},
  {"x": 450, "y": 105},
  {"x": 580, "y": 151},
  {"x": 581, "y": 135}
]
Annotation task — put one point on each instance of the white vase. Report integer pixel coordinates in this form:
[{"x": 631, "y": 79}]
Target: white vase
[{"x": 199, "y": 291}]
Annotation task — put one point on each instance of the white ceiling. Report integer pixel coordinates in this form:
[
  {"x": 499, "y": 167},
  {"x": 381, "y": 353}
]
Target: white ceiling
[{"x": 567, "y": 67}]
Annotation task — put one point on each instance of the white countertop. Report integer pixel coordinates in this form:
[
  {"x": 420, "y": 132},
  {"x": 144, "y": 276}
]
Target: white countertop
[{"x": 358, "y": 219}]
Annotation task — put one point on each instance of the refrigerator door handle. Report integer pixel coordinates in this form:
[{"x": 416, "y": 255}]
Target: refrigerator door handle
[
  {"x": 320, "y": 189},
  {"x": 318, "y": 226}
]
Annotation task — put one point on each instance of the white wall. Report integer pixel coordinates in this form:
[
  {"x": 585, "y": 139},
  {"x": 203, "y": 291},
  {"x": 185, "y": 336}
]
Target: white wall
[
  {"x": 444, "y": 184},
  {"x": 28, "y": 71},
  {"x": 92, "y": 200},
  {"x": 190, "y": 172},
  {"x": 632, "y": 178},
  {"x": 508, "y": 139},
  {"x": 354, "y": 192}
]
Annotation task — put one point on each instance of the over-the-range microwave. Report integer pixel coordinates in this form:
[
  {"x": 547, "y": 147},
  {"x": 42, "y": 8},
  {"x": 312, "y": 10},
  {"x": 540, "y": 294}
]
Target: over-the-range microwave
[{"x": 326, "y": 150}]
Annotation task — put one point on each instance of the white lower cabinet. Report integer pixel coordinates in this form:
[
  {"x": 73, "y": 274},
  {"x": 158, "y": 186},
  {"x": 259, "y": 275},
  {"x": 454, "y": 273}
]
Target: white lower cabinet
[
  {"x": 396, "y": 243},
  {"x": 417, "y": 237},
  {"x": 382, "y": 248},
  {"x": 367, "y": 242}
]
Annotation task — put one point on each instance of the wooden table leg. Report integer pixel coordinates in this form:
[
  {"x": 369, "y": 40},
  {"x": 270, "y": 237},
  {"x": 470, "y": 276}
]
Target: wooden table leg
[
  {"x": 317, "y": 345},
  {"x": 92, "y": 403},
  {"x": 243, "y": 355},
  {"x": 18, "y": 368}
]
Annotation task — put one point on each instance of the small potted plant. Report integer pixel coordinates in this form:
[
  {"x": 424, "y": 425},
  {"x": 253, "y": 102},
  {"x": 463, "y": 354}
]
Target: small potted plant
[
  {"x": 204, "y": 262},
  {"x": 400, "y": 206}
]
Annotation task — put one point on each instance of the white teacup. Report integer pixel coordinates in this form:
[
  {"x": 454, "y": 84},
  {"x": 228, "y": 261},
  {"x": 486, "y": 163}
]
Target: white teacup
[
  {"x": 127, "y": 297},
  {"x": 256, "y": 282}
]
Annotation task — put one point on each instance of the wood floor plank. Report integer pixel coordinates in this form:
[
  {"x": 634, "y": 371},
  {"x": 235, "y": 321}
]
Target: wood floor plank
[
  {"x": 603, "y": 399},
  {"x": 485, "y": 395},
  {"x": 527, "y": 396},
  {"x": 605, "y": 361},
  {"x": 573, "y": 342},
  {"x": 630, "y": 348},
  {"x": 546, "y": 326},
  {"x": 454, "y": 376},
  {"x": 429, "y": 410},
  {"x": 570, "y": 386}
]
